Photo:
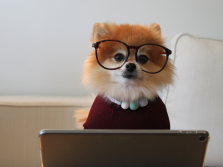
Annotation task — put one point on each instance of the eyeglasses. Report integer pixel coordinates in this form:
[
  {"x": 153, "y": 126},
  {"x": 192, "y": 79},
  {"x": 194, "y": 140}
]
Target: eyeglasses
[{"x": 113, "y": 54}]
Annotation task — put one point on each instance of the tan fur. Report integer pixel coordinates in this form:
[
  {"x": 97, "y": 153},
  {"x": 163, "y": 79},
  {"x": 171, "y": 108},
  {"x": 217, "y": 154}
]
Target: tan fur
[
  {"x": 103, "y": 82},
  {"x": 81, "y": 116}
]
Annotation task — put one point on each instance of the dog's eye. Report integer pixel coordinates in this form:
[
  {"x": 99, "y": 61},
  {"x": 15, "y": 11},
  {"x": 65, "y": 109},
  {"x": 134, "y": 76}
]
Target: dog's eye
[
  {"x": 119, "y": 57},
  {"x": 143, "y": 59}
]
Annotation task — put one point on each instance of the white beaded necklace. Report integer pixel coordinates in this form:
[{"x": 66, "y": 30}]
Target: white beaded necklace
[{"x": 132, "y": 105}]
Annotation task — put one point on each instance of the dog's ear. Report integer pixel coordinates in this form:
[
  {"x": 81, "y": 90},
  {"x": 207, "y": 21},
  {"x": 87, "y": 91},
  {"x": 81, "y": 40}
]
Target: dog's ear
[
  {"x": 155, "y": 27},
  {"x": 100, "y": 32}
]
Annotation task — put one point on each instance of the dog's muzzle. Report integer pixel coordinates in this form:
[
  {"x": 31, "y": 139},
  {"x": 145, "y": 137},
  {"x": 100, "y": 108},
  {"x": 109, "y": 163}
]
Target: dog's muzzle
[{"x": 130, "y": 71}]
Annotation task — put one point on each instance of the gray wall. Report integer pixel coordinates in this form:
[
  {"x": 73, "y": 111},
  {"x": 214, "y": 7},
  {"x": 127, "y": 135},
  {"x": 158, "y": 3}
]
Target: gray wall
[{"x": 43, "y": 43}]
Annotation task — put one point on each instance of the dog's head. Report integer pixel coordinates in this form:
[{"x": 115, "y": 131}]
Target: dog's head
[{"x": 128, "y": 63}]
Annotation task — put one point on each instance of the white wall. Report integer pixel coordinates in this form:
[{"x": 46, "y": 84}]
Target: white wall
[{"x": 43, "y": 43}]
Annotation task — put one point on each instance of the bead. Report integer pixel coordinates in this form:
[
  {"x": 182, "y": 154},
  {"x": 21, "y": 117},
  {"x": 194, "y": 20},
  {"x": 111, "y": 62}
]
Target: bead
[
  {"x": 134, "y": 105},
  {"x": 143, "y": 102},
  {"x": 125, "y": 105}
]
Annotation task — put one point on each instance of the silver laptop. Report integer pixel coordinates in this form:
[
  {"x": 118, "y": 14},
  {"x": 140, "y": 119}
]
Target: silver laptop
[{"x": 123, "y": 148}]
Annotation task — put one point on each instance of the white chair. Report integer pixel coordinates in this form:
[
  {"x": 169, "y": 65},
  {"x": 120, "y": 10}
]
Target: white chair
[{"x": 196, "y": 100}]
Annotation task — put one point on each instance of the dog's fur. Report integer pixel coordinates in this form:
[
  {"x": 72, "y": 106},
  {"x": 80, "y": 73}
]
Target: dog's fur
[{"x": 111, "y": 82}]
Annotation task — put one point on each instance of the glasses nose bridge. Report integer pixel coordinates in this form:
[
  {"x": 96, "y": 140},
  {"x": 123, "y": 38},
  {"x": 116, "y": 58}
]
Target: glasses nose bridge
[
  {"x": 132, "y": 54},
  {"x": 133, "y": 47}
]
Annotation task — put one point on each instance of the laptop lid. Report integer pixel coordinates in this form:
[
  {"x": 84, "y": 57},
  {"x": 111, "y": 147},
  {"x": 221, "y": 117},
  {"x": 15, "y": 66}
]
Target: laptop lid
[{"x": 122, "y": 148}]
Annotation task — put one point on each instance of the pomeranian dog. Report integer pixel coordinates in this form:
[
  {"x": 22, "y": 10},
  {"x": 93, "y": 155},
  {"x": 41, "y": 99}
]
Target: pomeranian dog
[{"x": 127, "y": 68}]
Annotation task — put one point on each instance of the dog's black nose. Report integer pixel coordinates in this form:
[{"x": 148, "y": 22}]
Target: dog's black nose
[{"x": 130, "y": 67}]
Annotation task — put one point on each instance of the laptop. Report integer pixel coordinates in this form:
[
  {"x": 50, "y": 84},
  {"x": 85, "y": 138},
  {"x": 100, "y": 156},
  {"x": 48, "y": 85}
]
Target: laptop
[{"x": 123, "y": 148}]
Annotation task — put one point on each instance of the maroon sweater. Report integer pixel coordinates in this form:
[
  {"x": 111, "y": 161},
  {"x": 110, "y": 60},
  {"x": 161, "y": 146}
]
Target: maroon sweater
[{"x": 108, "y": 115}]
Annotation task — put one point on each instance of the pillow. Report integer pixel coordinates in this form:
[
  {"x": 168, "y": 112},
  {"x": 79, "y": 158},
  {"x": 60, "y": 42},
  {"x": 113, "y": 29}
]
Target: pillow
[{"x": 195, "y": 102}]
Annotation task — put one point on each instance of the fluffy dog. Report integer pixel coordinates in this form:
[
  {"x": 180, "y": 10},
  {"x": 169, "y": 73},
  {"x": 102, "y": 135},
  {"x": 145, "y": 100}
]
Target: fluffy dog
[{"x": 128, "y": 67}]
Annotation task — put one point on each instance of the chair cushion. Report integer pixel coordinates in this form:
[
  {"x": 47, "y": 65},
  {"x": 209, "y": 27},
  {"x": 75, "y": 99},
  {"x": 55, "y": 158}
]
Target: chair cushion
[{"x": 195, "y": 102}]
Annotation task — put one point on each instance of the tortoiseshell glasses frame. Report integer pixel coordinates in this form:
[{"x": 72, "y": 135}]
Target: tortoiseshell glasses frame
[{"x": 97, "y": 44}]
